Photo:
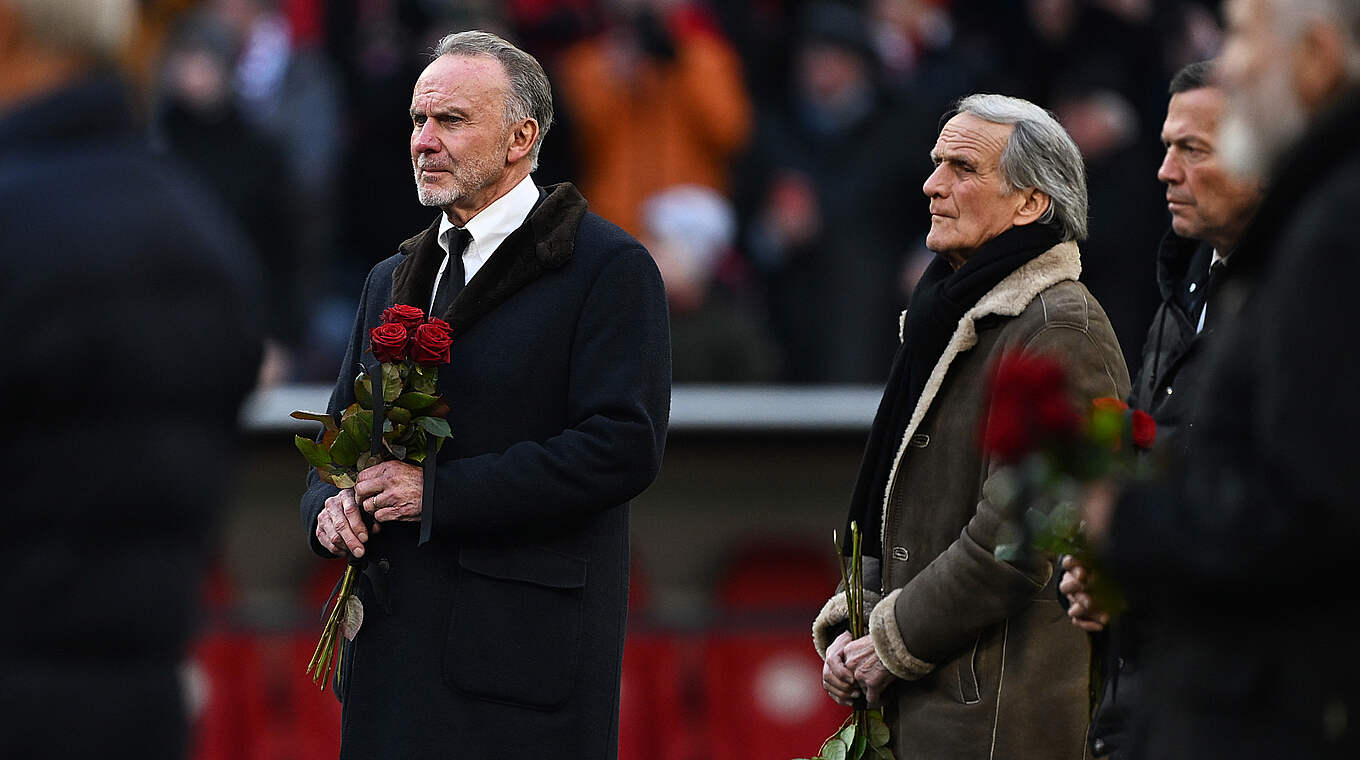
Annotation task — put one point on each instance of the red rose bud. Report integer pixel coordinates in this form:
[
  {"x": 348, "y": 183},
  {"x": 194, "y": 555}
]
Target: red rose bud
[
  {"x": 1110, "y": 404},
  {"x": 408, "y": 317},
  {"x": 388, "y": 342},
  {"x": 1144, "y": 430},
  {"x": 432, "y": 343}
]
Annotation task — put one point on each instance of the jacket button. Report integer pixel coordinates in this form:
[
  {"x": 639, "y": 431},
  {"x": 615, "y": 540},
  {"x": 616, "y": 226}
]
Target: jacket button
[
  {"x": 1099, "y": 746},
  {"x": 920, "y": 440},
  {"x": 1169, "y": 391},
  {"x": 900, "y": 553},
  {"x": 1120, "y": 664}
]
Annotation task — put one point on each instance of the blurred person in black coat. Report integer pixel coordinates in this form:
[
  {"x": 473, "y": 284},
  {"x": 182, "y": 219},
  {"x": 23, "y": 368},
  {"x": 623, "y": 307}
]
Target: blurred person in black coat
[
  {"x": 132, "y": 339},
  {"x": 1209, "y": 208},
  {"x": 823, "y": 201},
  {"x": 1245, "y": 552},
  {"x": 496, "y": 626}
]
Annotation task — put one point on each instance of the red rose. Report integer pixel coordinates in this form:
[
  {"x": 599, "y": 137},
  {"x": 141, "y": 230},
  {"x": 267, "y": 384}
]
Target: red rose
[
  {"x": 1144, "y": 429},
  {"x": 1056, "y": 417},
  {"x": 388, "y": 342},
  {"x": 1006, "y": 437},
  {"x": 408, "y": 317},
  {"x": 1028, "y": 404},
  {"x": 1110, "y": 404},
  {"x": 432, "y": 343}
]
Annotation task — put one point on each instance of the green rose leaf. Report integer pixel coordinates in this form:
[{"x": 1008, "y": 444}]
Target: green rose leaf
[
  {"x": 363, "y": 390},
  {"x": 399, "y": 415},
  {"x": 879, "y": 736},
  {"x": 345, "y": 451},
  {"x": 359, "y": 424},
  {"x": 858, "y": 746},
  {"x": 834, "y": 749},
  {"x": 435, "y": 426},
  {"x": 415, "y": 401},
  {"x": 322, "y": 417},
  {"x": 312, "y": 451},
  {"x": 425, "y": 380},
  {"x": 391, "y": 377},
  {"x": 343, "y": 480}
]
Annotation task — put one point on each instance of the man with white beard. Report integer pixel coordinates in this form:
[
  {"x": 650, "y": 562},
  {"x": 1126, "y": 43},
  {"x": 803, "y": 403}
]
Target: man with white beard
[{"x": 1244, "y": 550}]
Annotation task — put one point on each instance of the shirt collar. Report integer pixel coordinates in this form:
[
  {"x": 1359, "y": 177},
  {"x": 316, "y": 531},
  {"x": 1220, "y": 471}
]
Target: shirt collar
[{"x": 494, "y": 223}]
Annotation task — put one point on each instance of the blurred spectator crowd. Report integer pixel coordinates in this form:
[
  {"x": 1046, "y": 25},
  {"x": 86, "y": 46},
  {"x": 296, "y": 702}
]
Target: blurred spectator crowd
[{"x": 769, "y": 153}]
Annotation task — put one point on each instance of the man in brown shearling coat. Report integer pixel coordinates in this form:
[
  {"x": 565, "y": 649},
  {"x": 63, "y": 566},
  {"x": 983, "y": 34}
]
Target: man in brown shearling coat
[{"x": 969, "y": 655}]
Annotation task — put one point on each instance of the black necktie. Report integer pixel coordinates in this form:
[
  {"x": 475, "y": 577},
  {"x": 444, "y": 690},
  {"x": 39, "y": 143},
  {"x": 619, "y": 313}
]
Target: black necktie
[
  {"x": 1206, "y": 289},
  {"x": 454, "y": 274}
]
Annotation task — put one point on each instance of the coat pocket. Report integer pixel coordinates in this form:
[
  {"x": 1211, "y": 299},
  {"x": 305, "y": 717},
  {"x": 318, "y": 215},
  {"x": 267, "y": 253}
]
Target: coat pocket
[{"x": 516, "y": 628}]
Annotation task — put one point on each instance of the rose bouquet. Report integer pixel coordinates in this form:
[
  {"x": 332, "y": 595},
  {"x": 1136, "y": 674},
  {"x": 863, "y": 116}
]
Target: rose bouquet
[
  {"x": 397, "y": 415},
  {"x": 1050, "y": 448}
]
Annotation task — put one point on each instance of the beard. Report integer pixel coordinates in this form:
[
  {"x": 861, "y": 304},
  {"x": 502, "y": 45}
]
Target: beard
[
  {"x": 466, "y": 177},
  {"x": 1261, "y": 122}
]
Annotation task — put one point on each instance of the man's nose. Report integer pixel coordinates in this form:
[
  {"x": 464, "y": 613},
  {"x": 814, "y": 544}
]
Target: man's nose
[
  {"x": 1170, "y": 171},
  {"x": 423, "y": 139},
  {"x": 934, "y": 185}
]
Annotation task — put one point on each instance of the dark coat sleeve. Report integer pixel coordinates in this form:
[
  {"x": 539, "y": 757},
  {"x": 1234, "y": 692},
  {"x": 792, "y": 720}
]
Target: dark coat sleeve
[
  {"x": 618, "y": 405},
  {"x": 314, "y": 498}
]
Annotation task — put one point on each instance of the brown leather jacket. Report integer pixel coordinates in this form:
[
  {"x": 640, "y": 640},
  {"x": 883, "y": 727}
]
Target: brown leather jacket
[{"x": 989, "y": 665}]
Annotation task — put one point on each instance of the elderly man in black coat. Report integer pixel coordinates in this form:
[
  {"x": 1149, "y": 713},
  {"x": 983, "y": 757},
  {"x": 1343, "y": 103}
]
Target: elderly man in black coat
[
  {"x": 1246, "y": 553},
  {"x": 131, "y": 338},
  {"x": 501, "y": 635}
]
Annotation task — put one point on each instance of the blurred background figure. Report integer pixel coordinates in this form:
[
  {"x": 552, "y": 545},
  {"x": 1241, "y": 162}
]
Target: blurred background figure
[
  {"x": 1127, "y": 218},
  {"x": 1240, "y": 670},
  {"x": 657, "y": 100},
  {"x": 129, "y": 302},
  {"x": 201, "y": 124},
  {"x": 827, "y": 224},
  {"x": 689, "y": 231}
]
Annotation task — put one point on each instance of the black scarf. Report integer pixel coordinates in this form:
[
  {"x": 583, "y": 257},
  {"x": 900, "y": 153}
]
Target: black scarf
[{"x": 940, "y": 300}]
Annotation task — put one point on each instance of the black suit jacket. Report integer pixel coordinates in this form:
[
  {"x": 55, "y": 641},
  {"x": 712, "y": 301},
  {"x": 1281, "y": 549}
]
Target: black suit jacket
[{"x": 506, "y": 631}]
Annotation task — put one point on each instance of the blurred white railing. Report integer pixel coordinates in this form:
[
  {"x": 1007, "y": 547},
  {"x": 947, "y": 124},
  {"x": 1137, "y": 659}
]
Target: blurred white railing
[{"x": 694, "y": 408}]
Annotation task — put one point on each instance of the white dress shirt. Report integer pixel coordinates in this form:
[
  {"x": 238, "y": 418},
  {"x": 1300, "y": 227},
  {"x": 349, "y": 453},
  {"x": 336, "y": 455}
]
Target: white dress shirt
[{"x": 489, "y": 228}]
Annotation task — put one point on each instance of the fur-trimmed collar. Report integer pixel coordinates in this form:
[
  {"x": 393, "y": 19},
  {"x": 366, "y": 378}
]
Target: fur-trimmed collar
[
  {"x": 1009, "y": 298},
  {"x": 544, "y": 242}
]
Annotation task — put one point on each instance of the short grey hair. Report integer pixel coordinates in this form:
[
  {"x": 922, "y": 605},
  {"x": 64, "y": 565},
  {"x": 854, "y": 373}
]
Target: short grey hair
[
  {"x": 1039, "y": 154},
  {"x": 97, "y": 28},
  {"x": 530, "y": 94}
]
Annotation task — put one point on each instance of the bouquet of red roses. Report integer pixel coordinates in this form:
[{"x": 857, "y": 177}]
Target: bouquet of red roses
[
  {"x": 397, "y": 414},
  {"x": 1050, "y": 447}
]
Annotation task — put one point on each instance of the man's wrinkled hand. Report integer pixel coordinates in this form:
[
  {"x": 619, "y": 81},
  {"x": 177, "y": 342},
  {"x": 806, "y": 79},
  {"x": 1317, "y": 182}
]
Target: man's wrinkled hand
[
  {"x": 838, "y": 678},
  {"x": 1082, "y": 610},
  {"x": 340, "y": 525},
  {"x": 391, "y": 491},
  {"x": 870, "y": 672}
]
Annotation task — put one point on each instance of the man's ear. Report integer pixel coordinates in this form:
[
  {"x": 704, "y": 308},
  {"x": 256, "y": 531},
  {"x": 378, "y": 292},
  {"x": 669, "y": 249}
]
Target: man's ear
[
  {"x": 1319, "y": 65},
  {"x": 522, "y": 139},
  {"x": 1034, "y": 203}
]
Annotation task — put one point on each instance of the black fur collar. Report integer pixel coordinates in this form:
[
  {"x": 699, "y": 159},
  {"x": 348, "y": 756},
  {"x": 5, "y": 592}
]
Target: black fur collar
[{"x": 544, "y": 242}]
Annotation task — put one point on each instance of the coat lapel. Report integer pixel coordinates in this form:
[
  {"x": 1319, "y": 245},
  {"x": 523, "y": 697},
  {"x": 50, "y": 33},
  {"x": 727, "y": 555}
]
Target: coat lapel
[
  {"x": 544, "y": 242},
  {"x": 1007, "y": 299}
]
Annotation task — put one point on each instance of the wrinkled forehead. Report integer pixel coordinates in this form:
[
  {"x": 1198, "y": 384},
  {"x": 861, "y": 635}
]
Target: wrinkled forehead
[
  {"x": 971, "y": 137},
  {"x": 472, "y": 78}
]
